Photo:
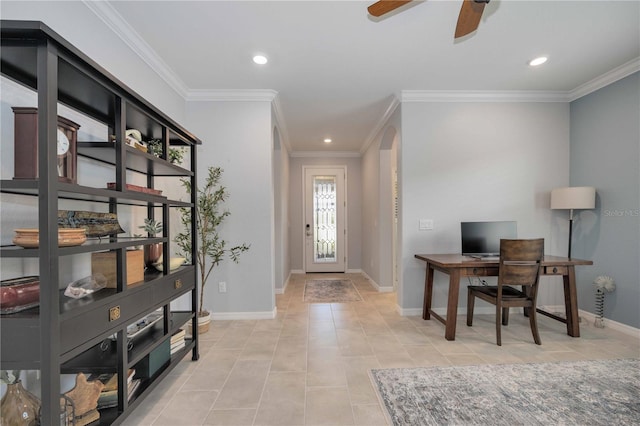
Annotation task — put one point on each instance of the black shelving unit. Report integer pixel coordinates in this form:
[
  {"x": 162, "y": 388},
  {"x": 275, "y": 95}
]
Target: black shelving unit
[{"x": 67, "y": 336}]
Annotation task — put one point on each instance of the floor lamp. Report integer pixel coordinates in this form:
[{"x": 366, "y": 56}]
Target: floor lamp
[{"x": 570, "y": 198}]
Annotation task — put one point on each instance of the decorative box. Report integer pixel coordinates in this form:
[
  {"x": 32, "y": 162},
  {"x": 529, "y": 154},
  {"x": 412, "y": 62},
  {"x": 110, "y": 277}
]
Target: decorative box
[
  {"x": 18, "y": 294},
  {"x": 105, "y": 262},
  {"x": 153, "y": 362}
]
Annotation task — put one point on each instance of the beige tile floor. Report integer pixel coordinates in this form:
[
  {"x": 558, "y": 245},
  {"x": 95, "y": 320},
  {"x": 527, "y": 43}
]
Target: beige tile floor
[{"x": 309, "y": 366}]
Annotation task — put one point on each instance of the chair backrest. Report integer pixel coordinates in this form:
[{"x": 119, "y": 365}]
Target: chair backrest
[{"x": 520, "y": 261}]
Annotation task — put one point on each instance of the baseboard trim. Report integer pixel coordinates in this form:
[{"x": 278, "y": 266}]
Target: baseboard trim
[
  {"x": 375, "y": 285},
  {"x": 283, "y": 289},
  {"x": 586, "y": 316},
  {"x": 228, "y": 316},
  {"x": 590, "y": 317},
  {"x": 408, "y": 312},
  {"x": 371, "y": 280},
  {"x": 614, "y": 325}
]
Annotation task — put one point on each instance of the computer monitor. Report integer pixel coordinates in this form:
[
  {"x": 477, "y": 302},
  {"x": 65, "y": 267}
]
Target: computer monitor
[{"x": 482, "y": 239}]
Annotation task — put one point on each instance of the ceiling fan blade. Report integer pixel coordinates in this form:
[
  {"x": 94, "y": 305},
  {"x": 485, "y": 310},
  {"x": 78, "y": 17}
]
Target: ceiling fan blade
[
  {"x": 469, "y": 18},
  {"x": 382, "y": 7}
]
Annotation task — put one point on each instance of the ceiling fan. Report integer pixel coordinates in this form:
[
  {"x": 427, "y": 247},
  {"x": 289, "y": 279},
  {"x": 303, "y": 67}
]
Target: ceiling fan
[{"x": 468, "y": 19}]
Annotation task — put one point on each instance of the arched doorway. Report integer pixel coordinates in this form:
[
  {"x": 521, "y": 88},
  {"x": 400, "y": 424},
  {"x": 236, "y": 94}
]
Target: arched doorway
[{"x": 388, "y": 207}]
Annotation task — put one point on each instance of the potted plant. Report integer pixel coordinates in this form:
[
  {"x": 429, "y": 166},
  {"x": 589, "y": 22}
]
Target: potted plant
[
  {"x": 152, "y": 252},
  {"x": 212, "y": 248},
  {"x": 175, "y": 156}
]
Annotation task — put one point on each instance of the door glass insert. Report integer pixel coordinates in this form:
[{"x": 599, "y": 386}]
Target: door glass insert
[{"x": 324, "y": 219}]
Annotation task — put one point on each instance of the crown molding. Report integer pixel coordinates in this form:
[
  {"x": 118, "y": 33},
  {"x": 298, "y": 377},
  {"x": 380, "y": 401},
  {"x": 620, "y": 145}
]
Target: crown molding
[
  {"x": 224, "y": 95},
  {"x": 280, "y": 122},
  {"x": 597, "y": 83},
  {"x": 140, "y": 47},
  {"x": 325, "y": 154},
  {"x": 482, "y": 96},
  {"x": 382, "y": 122},
  {"x": 257, "y": 95},
  {"x": 605, "y": 79},
  {"x": 105, "y": 11}
]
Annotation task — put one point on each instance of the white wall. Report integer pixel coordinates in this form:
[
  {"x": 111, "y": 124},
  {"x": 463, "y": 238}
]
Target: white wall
[
  {"x": 354, "y": 208},
  {"x": 478, "y": 161},
  {"x": 237, "y": 136},
  {"x": 75, "y": 22}
]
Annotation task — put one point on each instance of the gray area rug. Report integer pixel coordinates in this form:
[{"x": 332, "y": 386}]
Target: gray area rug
[
  {"x": 330, "y": 291},
  {"x": 566, "y": 393}
]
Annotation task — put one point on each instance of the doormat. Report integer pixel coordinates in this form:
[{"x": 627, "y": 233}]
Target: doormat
[
  {"x": 603, "y": 392},
  {"x": 330, "y": 291}
]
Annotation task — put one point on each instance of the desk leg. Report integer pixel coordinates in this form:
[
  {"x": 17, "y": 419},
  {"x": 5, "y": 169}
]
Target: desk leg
[
  {"x": 571, "y": 302},
  {"x": 428, "y": 293},
  {"x": 452, "y": 304}
]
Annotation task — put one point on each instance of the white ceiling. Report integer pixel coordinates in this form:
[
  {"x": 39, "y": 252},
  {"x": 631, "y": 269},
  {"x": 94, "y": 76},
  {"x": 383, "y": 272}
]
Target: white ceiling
[{"x": 337, "y": 70}]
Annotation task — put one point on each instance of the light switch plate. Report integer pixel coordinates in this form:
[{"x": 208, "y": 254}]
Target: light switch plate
[{"x": 425, "y": 224}]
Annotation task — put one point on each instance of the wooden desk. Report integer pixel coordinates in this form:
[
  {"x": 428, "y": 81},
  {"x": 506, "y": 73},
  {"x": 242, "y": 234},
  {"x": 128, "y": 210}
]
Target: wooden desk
[{"x": 458, "y": 266}]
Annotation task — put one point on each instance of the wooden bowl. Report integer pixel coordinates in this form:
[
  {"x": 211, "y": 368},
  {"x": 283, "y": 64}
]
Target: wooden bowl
[
  {"x": 174, "y": 263},
  {"x": 67, "y": 237}
]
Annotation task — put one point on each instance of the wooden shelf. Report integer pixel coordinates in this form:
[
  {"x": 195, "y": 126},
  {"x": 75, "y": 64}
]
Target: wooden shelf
[
  {"x": 136, "y": 160},
  {"x": 69, "y": 191}
]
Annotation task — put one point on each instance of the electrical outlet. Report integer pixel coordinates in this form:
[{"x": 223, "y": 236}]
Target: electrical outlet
[{"x": 222, "y": 287}]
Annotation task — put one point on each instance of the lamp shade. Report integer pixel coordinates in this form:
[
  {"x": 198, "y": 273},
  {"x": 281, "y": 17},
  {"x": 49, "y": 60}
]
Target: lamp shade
[{"x": 576, "y": 197}]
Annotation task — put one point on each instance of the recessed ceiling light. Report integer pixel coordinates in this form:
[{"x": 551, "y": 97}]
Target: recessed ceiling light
[
  {"x": 327, "y": 140},
  {"x": 538, "y": 61},
  {"x": 260, "y": 59}
]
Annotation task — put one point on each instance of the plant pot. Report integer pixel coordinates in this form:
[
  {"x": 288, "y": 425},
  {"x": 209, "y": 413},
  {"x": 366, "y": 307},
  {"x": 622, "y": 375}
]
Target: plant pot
[
  {"x": 204, "y": 320},
  {"x": 152, "y": 253},
  {"x": 19, "y": 406}
]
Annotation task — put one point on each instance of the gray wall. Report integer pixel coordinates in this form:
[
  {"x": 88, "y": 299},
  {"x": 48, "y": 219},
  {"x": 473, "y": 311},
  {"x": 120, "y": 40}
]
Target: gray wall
[
  {"x": 281, "y": 209},
  {"x": 377, "y": 203},
  {"x": 238, "y": 138},
  {"x": 235, "y": 135},
  {"x": 605, "y": 153},
  {"x": 474, "y": 161}
]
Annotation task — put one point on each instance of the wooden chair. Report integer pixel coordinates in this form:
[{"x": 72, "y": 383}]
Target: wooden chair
[{"x": 519, "y": 265}]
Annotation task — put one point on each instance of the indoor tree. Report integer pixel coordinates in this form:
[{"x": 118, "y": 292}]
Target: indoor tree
[{"x": 210, "y": 215}]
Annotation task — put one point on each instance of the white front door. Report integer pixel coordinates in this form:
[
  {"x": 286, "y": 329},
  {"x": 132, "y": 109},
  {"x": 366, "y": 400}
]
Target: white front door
[{"x": 324, "y": 219}]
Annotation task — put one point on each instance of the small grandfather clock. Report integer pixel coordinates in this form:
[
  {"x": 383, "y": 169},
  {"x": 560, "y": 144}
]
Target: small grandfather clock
[{"x": 26, "y": 146}]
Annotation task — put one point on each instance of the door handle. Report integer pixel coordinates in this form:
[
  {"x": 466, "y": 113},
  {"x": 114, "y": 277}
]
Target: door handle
[{"x": 308, "y": 230}]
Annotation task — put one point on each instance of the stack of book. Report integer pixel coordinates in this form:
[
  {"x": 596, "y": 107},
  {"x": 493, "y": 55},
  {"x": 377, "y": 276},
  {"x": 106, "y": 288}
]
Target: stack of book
[
  {"x": 177, "y": 341},
  {"x": 109, "y": 396}
]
